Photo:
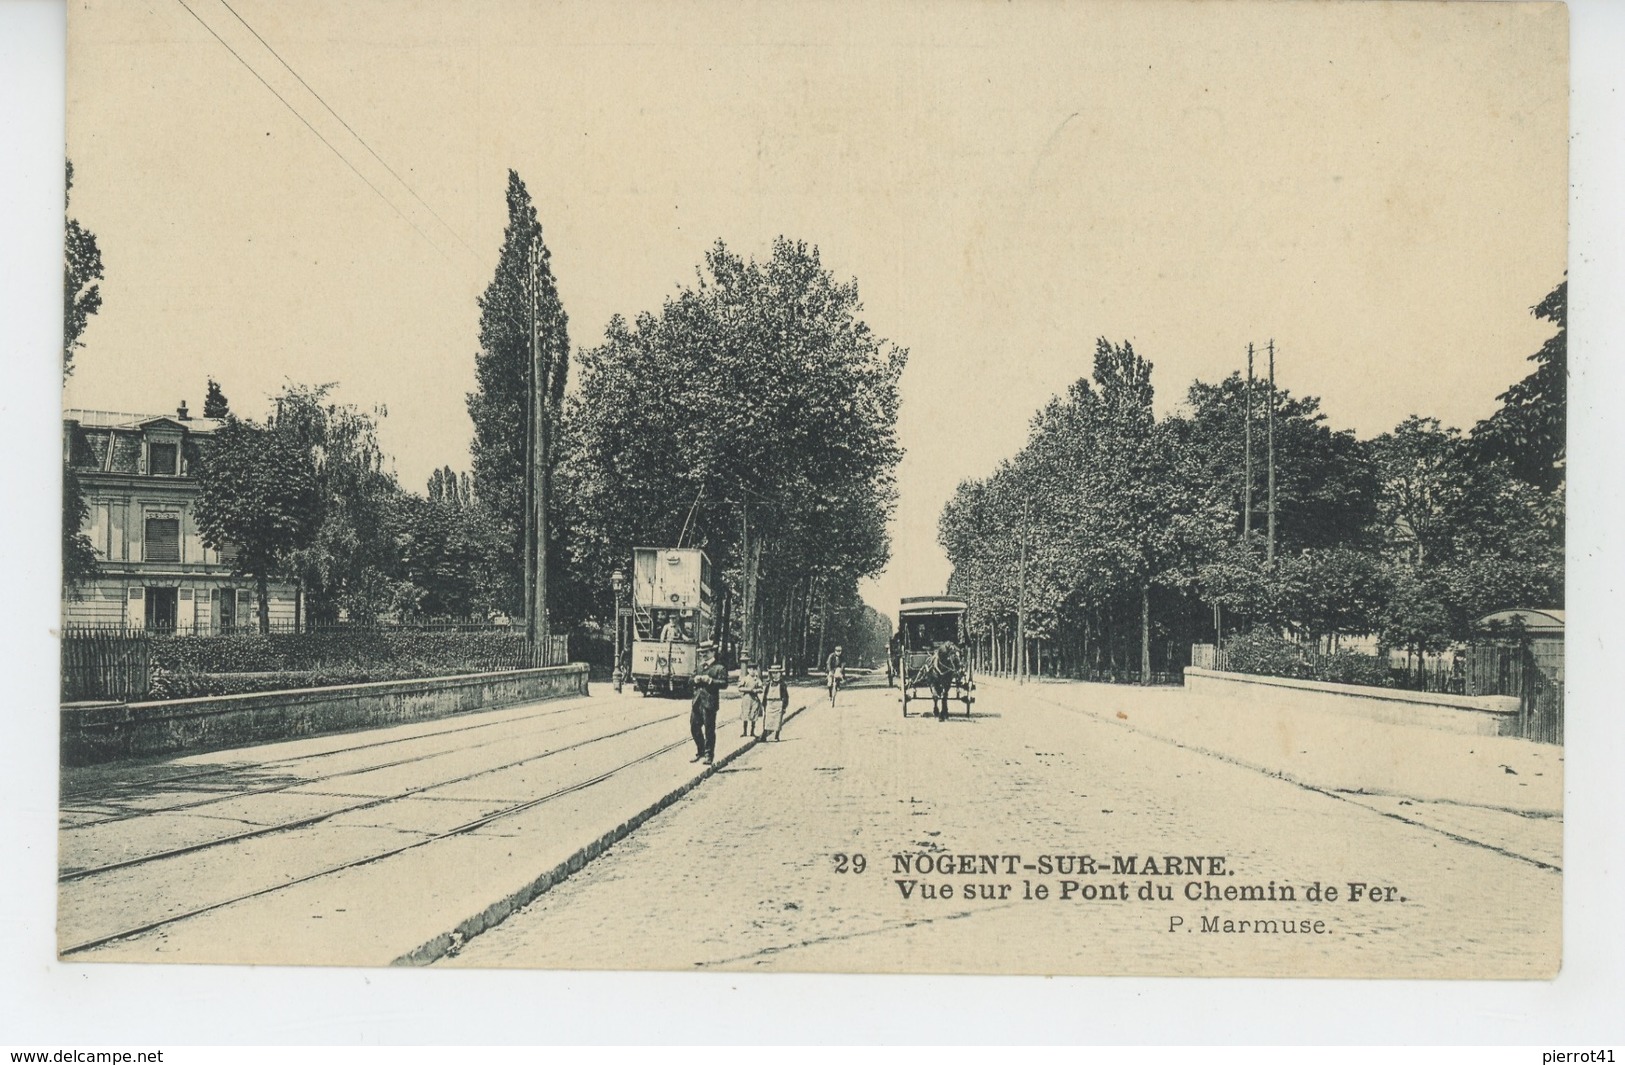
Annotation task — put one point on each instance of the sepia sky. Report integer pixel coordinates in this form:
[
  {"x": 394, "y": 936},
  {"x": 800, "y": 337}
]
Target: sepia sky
[{"x": 1380, "y": 188}]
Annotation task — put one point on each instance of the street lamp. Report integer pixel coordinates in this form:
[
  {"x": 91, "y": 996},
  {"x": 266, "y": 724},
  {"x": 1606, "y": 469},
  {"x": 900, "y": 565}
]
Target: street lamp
[{"x": 618, "y": 579}]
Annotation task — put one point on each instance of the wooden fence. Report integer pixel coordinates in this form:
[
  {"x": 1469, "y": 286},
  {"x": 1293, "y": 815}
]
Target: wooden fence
[
  {"x": 105, "y": 664},
  {"x": 1530, "y": 669}
]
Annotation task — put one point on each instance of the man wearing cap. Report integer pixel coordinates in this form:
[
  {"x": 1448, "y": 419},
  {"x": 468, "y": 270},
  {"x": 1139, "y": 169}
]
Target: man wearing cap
[{"x": 709, "y": 680}]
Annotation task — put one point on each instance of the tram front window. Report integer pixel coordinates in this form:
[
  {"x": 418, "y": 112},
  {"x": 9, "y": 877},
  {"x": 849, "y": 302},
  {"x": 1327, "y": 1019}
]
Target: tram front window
[{"x": 676, "y": 627}]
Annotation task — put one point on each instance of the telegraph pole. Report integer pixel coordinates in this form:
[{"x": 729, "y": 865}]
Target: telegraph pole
[
  {"x": 529, "y": 549},
  {"x": 536, "y": 482},
  {"x": 1247, "y": 486},
  {"x": 1269, "y": 545}
]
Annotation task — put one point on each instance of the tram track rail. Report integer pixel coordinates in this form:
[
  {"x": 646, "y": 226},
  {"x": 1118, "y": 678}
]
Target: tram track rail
[
  {"x": 88, "y": 793},
  {"x": 459, "y": 830},
  {"x": 273, "y": 766},
  {"x": 73, "y": 876}
]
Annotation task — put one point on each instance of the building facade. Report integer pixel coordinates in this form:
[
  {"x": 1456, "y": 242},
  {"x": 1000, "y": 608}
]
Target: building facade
[{"x": 153, "y": 572}]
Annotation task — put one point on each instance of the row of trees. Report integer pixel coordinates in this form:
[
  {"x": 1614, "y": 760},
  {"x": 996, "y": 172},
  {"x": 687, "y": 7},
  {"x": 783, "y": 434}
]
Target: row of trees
[
  {"x": 1134, "y": 525},
  {"x": 306, "y": 494},
  {"x": 753, "y": 414}
]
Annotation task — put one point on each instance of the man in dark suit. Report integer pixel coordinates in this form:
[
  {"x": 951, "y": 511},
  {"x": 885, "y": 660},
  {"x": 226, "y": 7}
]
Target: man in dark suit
[{"x": 709, "y": 680}]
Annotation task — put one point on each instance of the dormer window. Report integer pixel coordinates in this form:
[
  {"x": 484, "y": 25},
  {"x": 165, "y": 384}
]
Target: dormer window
[{"x": 162, "y": 459}]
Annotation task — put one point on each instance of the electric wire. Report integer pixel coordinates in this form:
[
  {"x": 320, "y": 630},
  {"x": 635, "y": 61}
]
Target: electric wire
[
  {"x": 346, "y": 125},
  {"x": 294, "y": 111}
]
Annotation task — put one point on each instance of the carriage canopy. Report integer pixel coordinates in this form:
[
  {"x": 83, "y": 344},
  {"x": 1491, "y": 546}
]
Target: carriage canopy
[{"x": 926, "y": 620}]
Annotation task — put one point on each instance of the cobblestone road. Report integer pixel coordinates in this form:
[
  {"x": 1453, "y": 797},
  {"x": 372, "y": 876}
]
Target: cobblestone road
[{"x": 744, "y": 874}]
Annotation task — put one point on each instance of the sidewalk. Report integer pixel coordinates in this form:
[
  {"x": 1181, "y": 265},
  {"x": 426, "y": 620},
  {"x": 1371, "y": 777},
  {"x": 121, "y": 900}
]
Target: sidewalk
[{"x": 1497, "y": 791}]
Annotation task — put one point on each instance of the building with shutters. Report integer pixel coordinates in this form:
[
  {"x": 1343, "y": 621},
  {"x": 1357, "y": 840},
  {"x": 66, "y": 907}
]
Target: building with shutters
[{"x": 137, "y": 473}]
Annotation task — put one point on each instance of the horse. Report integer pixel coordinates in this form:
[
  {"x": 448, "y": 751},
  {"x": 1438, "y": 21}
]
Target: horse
[{"x": 944, "y": 670}]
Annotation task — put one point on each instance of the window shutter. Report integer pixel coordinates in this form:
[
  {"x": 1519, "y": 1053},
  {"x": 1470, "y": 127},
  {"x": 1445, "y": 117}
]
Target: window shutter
[{"x": 163, "y": 540}]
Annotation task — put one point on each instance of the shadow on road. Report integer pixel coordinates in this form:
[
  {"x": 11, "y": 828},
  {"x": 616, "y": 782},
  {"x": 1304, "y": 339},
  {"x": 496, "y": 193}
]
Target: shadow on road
[{"x": 962, "y": 718}]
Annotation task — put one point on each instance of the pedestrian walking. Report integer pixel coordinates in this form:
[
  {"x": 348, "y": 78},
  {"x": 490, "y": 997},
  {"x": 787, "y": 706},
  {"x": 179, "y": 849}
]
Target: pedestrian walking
[
  {"x": 752, "y": 698},
  {"x": 709, "y": 680},
  {"x": 777, "y": 689}
]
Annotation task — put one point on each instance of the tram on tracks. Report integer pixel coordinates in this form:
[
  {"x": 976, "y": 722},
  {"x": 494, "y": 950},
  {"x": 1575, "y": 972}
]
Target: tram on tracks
[{"x": 672, "y": 615}]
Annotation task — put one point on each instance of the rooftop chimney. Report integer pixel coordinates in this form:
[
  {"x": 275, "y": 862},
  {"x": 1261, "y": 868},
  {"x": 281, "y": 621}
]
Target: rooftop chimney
[{"x": 181, "y": 413}]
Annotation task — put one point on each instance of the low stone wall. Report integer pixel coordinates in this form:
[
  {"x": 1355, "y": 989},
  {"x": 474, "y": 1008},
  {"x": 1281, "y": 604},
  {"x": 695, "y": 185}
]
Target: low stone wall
[
  {"x": 1477, "y": 715},
  {"x": 106, "y": 733}
]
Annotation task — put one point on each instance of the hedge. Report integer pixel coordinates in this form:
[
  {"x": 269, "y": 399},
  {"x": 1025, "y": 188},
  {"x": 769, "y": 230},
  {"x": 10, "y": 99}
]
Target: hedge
[
  {"x": 1264, "y": 653},
  {"x": 367, "y": 650}
]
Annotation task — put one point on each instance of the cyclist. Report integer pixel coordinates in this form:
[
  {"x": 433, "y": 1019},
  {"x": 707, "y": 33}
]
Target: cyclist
[{"x": 834, "y": 675}]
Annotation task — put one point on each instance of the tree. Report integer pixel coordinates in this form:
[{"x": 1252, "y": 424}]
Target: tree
[
  {"x": 82, "y": 268},
  {"x": 1332, "y": 591},
  {"x": 1419, "y": 466},
  {"x": 258, "y": 492},
  {"x": 350, "y": 563},
  {"x": 1326, "y": 489},
  {"x": 1471, "y": 530},
  {"x": 1131, "y": 523},
  {"x": 1109, "y": 504},
  {"x": 448, "y": 542},
  {"x": 1529, "y": 431},
  {"x": 1504, "y": 547},
  {"x": 754, "y": 415},
  {"x": 214, "y": 403},
  {"x": 1416, "y": 614},
  {"x": 78, "y": 554},
  {"x": 499, "y": 406}
]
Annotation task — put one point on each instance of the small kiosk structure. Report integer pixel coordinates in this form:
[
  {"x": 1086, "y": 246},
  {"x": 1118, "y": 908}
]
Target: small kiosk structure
[{"x": 1519, "y": 651}]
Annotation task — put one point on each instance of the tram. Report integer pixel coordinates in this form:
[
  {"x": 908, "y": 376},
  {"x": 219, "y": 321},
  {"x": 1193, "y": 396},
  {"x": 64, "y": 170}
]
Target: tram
[{"x": 672, "y": 614}]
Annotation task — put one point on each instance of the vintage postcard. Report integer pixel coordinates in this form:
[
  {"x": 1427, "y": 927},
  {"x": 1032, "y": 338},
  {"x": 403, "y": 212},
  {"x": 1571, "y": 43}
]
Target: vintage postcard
[{"x": 1069, "y": 488}]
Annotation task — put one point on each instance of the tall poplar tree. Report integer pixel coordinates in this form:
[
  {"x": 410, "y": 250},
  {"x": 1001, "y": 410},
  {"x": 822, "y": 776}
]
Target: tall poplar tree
[{"x": 499, "y": 404}]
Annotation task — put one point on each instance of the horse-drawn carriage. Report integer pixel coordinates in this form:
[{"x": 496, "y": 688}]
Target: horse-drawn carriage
[{"x": 929, "y": 653}]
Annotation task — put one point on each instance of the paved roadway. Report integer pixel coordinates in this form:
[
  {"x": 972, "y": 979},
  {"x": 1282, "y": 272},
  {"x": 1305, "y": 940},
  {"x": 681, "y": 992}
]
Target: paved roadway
[
  {"x": 743, "y": 873},
  {"x": 364, "y": 847}
]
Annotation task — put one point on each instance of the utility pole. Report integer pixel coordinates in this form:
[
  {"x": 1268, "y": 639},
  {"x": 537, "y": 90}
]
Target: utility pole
[
  {"x": 1269, "y": 545},
  {"x": 529, "y": 549},
  {"x": 747, "y": 591},
  {"x": 1247, "y": 484},
  {"x": 536, "y": 481},
  {"x": 1021, "y": 600}
]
